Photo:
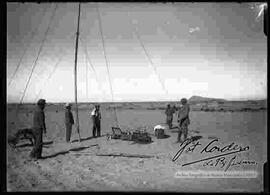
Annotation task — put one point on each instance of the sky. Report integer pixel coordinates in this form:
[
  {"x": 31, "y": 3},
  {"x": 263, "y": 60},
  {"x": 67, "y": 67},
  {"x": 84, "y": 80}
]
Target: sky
[{"x": 154, "y": 51}]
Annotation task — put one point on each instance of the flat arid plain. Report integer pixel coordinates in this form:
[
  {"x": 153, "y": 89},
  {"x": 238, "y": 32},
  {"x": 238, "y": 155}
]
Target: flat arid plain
[{"x": 84, "y": 166}]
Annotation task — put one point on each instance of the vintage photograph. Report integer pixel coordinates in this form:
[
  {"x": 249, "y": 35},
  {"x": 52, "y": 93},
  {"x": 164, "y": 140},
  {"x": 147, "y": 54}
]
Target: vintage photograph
[{"x": 136, "y": 97}]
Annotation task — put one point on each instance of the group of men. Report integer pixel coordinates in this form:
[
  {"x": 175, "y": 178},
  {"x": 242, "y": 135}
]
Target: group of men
[
  {"x": 39, "y": 126},
  {"x": 182, "y": 118},
  {"x": 69, "y": 121}
]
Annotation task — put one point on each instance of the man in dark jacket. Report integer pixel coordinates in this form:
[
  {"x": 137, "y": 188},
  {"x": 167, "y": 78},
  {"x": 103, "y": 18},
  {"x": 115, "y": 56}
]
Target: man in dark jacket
[
  {"x": 38, "y": 128},
  {"x": 69, "y": 121},
  {"x": 183, "y": 119},
  {"x": 96, "y": 117}
]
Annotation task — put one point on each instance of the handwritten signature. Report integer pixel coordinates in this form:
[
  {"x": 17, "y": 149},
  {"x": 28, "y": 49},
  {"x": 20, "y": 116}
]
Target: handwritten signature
[
  {"x": 189, "y": 146},
  {"x": 223, "y": 162}
]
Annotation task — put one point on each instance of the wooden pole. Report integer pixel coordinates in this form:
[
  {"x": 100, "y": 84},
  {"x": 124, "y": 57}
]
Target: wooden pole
[
  {"x": 75, "y": 74},
  {"x": 107, "y": 62},
  {"x": 86, "y": 71},
  {"x": 265, "y": 20}
]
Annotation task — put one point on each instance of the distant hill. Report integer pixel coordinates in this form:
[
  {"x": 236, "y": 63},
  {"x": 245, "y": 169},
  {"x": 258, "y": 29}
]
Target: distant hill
[{"x": 199, "y": 99}]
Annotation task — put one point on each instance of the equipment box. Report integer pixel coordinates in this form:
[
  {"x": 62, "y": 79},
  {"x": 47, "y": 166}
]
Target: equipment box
[
  {"x": 141, "y": 137},
  {"x": 159, "y": 133},
  {"x": 126, "y": 136}
]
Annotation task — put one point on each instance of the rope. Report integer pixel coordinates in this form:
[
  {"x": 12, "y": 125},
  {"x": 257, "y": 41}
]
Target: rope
[
  {"x": 91, "y": 64},
  {"x": 88, "y": 59},
  {"x": 20, "y": 61},
  {"x": 86, "y": 76},
  {"x": 55, "y": 66},
  {"x": 108, "y": 71},
  {"x": 40, "y": 49},
  {"x": 50, "y": 75},
  {"x": 149, "y": 58}
]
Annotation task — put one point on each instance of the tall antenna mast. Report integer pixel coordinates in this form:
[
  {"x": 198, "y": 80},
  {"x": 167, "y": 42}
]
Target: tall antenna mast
[
  {"x": 75, "y": 75},
  {"x": 265, "y": 20}
]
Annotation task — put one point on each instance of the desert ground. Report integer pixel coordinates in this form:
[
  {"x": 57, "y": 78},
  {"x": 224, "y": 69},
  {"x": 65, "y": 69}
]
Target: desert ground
[{"x": 76, "y": 166}]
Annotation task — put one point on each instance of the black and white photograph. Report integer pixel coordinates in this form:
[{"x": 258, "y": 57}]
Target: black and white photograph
[{"x": 136, "y": 96}]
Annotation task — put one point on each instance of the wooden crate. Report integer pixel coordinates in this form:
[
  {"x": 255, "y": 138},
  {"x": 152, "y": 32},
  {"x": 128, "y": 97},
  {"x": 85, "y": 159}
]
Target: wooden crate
[
  {"x": 141, "y": 137},
  {"x": 159, "y": 133},
  {"x": 116, "y": 133}
]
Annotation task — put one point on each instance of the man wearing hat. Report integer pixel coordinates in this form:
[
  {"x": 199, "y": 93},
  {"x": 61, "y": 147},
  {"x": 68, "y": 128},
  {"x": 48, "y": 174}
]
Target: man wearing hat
[
  {"x": 38, "y": 128},
  {"x": 69, "y": 121},
  {"x": 96, "y": 116},
  {"x": 183, "y": 119}
]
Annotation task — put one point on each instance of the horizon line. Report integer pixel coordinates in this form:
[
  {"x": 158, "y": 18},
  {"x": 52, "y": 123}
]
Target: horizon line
[{"x": 130, "y": 101}]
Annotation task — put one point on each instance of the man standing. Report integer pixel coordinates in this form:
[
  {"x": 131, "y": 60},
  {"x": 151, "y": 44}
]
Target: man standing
[
  {"x": 38, "y": 128},
  {"x": 96, "y": 117},
  {"x": 183, "y": 119},
  {"x": 69, "y": 121},
  {"x": 169, "y": 115}
]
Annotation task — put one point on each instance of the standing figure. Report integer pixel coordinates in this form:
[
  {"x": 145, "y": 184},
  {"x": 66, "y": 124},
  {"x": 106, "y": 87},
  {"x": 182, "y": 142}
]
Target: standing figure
[
  {"x": 69, "y": 121},
  {"x": 183, "y": 119},
  {"x": 169, "y": 115},
  {"x": 96, "y": 117},
  {"x": 38, "y": 128}
]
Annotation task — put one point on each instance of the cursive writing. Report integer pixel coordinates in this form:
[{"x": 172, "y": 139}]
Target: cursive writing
[
  {"x": 209, "y": 148},
  {"x": 223, "y": 162},
  {"x": 189, "y": 146}
]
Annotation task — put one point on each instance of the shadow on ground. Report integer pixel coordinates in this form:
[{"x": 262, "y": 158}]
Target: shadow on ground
[
  {"x": 29, "y": 144},
  {"x": 142, "y": 142},
  {"x": 67, "y": 151},
  {"x": 165, "y": 137},
  {"x": 83, "y": 139},
  {"x": 177, "y": 130}
]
